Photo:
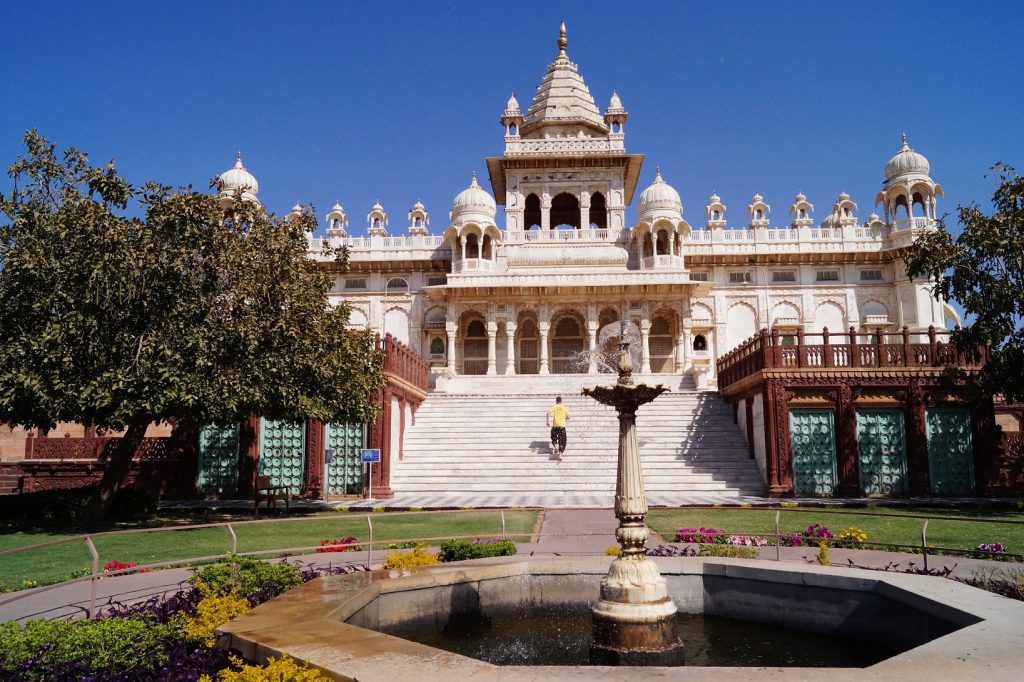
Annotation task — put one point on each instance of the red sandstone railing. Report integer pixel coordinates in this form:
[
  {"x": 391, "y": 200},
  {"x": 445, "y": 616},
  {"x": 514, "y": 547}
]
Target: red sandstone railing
[
  {"x": 771, "y": 350},
  {"x": 91, "y": 447},
  {"x": 401, "y": 362}
]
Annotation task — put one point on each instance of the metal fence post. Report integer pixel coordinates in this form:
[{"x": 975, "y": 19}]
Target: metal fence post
[
  {"x": 234, "y": 540},
  {"x": 778, "y": 537},
  {"x": 502, "y": 524},
  {"x": 95, "y": 574},
  {"x": 924, "y": 544},
  {"x": 369, "y": 544}
]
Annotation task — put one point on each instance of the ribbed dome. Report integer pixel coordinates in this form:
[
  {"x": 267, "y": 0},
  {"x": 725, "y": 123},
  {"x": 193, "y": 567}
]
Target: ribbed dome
[
  {"x": 474, "y": 201},
  {"x": 659, "y": 198},
  {"x": 513, "y": 103},
  {"x": 337, "y": 207},
  {"x": 615, "y": 102},
  {"x": 906, "y": 162},
  {"x": 237, "y": 177}
]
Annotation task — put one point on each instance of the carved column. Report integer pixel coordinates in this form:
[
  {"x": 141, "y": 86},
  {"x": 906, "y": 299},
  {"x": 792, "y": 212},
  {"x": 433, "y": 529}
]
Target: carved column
[
  {"x": 451, "y": 328},
  {"x": 314, "y": 479},
  {"x": 780, "y": 479},
  {"x": 584, "y": 210},
  {"x": 917, "y": 441},
  {"x": 846, "y": 444},
  {"x": 545, "y": 211},
  {"x": 543, "y": 328},
  {"x": 248, "y": 456},
  {"x": 380, "y": 438},
  {"x": 492, "y": 350},
  {"x": 645, "y": 346},
  {"x": 510, "y": 365},
  {"x": 592, "y": 346},
  {"x": 462, "y": 239}
]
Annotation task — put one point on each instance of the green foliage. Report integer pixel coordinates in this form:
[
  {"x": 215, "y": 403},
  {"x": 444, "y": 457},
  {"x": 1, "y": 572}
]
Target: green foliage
[
  {"x": 983, "y": 270},
  {"x": 415, "y": 557},
  {"x": 461, "y": 550},
  {"x": 729, "y": 551},
  {"x": 57, "y": 508},
  {"x": 212, "y": 611},
  {"x": 186, "y": 312},
  {"x": 112, "y": 644},
  {"x": 245, "y": 576}
]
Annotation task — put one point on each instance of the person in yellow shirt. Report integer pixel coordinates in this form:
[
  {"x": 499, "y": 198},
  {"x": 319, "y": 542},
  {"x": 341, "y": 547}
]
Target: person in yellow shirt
[{"x": 557, "y": 416}]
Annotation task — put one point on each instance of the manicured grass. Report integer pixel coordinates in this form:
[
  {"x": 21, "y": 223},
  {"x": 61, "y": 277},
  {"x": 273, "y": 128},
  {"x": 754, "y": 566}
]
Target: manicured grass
[
  {"x": 53, "y": 564},
  {"x": 944, "y": 530}
]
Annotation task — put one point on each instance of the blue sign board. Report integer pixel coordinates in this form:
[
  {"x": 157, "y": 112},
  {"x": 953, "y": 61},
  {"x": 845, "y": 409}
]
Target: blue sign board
[{"x": 370, "y": 455}]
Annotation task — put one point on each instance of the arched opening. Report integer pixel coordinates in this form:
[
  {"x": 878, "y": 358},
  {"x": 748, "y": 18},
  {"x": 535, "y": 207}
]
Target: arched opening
[
  {"x": 662, "y": 245},
  {"x": 487, "y": 247},
  {"x": 567, "y": 343},
  {"x": 376, "y": 222},
  {"x": 417, "y": 222},
  {"x": 648, "y": 246},
  {"x": 598, "y": 218},
  {"x": 611, "y": 344},
  {"x": 758, "y": 215},
  {"x": 919, "y": 201},
  {"x": 616, "y": 127},
  {"x": 531, "y": 216},
  {"x": 700, "y": 343},
  {"x": 513, "y": 129},
  {"x": 900, "y": 202},
  {"x": 472, "y": 245},
  {"x": 474, "y": 348},
  {"x": 714, "y": 215},
  {"x": 437, "y": 349},
  {"x": 741, "y": 324},
  {"x": 661, "y": 343},
  {"x": 565, "y": 211},
  {"x": 396, "y": 323},
  {"x": 528, "y": 341},
  {"x": 802, "y": 213}
]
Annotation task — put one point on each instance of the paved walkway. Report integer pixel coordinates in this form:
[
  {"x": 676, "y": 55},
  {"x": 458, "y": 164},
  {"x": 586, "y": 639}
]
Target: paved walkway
[{"x": 564, "y": 532}]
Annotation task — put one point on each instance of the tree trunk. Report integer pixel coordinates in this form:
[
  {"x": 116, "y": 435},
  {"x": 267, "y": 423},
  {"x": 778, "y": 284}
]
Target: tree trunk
[{"x": 118, "y": 464}]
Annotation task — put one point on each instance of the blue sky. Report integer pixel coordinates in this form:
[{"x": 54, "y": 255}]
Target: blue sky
[{"x": 400, "y": 101}]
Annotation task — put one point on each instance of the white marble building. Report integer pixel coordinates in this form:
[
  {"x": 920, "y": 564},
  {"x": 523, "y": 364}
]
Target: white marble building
[{"x": 522, "y": 295}]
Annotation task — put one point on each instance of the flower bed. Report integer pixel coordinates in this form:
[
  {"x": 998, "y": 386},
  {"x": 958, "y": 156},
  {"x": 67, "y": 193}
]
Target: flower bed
[{"x": 169, "y": 639}]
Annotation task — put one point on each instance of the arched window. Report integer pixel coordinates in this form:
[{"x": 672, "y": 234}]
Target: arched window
[
  {"x": 598, "y": 218},
  {"x": 528, "y": 356},
  {"x": 437, "y": 346},
  {"x": 700, "y": 343},
  {"x": 566, "y": 345},
  {"x": 565, "y": 211},
  {"x": 531, "y": 216},
  {"x": 396, "y": 283},
  {"x": 472, "y": 246},
  {"x": 662, "y": 244},
  {"x": 488, "y": 245},
  {"x": 474, "y": 349},
  {"x": 662, "y": 346}
]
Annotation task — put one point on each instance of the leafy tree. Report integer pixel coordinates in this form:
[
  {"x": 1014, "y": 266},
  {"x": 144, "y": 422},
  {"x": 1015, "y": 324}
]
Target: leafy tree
[
  {"x": 983, "y": 269},
  {"x": 186, "y": 313}
]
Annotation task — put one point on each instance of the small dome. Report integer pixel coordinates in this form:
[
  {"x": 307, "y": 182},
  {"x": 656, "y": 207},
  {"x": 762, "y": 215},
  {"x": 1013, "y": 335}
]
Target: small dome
[
  {"x": 474, "y": 200},
  {"x": 513, "y": 103},
  {"x": 906, "y": 162},
  {"x": 758, "y": 199},
  {"x": 714, "y": 199},
  {"x": 296, "y": 209},
  {"x": 843, "y": 196},
  {"x": 337, "y": 207},
  {"x": 376, "y": 207},
  {"x": 615, "y": 102},
  {"x": 237, "y": 177},
  {"x": 418, "y": 206},
  {"x": 661, "y": 198},
  {"x": 800, "y": 197}
]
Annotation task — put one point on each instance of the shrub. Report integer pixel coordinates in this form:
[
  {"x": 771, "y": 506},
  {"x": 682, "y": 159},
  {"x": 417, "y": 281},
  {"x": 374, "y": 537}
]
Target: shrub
[
  {"x": 462, "y": 550},
  {"x": 671, "y": 550},
  {"x": 416, "y": 557},
  {"x": 729, "y": 551},
  {"x": 405, "y": 544},
  {"x": 212, "y": 611},
  {"x": 248, "y": 577},
  {"x": 276, "y": 670},
  {"x": 700, "y": 535},
  {"x": 50, "y": 649},
  {"x": 346, "y": 545}
]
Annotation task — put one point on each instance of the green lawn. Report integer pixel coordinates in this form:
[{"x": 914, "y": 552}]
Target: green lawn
[
  {"x": 944, "y": 528},
  {"x": 53, "y": 564}
]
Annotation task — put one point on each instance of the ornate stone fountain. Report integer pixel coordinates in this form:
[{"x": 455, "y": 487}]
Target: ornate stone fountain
[{"x": 635, "y": 619}]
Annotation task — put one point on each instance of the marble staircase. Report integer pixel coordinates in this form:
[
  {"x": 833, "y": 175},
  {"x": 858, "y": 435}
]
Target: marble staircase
[{"x": 495, "y": 442}]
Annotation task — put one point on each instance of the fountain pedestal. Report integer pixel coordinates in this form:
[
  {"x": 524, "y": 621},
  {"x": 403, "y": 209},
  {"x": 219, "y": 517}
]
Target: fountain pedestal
[{"x": 635, "y": 619}]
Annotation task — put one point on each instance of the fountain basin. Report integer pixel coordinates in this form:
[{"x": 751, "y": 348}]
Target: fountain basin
[{"x": 340, "y": 623}]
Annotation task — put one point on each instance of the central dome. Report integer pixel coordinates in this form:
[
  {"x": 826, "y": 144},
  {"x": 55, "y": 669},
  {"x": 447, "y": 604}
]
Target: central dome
[
  {"x": 906, "y": 162},
  {"x": 238, "y": 177},
  {"x": 659, "y": 200},
  {"x": 474, "y": 203}
]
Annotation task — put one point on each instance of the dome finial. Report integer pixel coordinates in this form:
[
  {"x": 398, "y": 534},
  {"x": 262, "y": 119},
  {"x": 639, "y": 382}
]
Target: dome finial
[
  {"x": 905, "y": 145},
  {"x": 238, "y": 160},
  {"x": 563, "y": 42}
]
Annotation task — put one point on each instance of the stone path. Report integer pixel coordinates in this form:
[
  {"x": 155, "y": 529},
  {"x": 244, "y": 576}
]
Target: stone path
[{"x": 563, "y": 532}]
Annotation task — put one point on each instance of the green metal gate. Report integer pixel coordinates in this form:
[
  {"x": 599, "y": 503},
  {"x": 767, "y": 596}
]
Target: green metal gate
[
  {"x": 812, "y": 447},
  {"x": 950, "y": 451},
  {"x": 881, "y": 452},
  {"x": 218, "y": 460},
  {"x": 283, "y": 452},
  {"x": 344, "y": 473}
]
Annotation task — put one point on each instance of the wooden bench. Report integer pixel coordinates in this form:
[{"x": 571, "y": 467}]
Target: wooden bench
[{"x": 266, "y": 490}]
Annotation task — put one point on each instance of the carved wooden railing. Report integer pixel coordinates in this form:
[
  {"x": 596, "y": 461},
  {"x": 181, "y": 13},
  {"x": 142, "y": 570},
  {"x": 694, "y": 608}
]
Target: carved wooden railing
[
  {"x": 771, "y": 350},
  {"x": 401, "y": 362}
]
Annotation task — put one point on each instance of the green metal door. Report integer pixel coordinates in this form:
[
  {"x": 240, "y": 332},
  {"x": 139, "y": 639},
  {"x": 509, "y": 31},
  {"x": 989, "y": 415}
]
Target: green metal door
[
  {"x": 950, "y": 451},
  {"x": 218, "y": 460},
  {"x": 881, "y": 452},
  {"x": 812, "y": 446},
  {"x": 344, "y": 473},
  {"x": 283, "y": 452}
]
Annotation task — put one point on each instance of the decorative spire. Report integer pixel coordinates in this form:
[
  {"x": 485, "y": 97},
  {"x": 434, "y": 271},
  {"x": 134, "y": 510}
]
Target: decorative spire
[
  {"x": 563, "y": 42},
  {"x": 238, "y": 160},
  {"x": 473, "y": 181},
  {"x": 905, "y": 146}
]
